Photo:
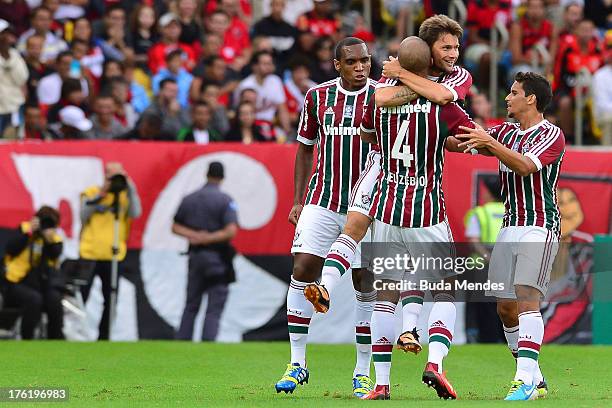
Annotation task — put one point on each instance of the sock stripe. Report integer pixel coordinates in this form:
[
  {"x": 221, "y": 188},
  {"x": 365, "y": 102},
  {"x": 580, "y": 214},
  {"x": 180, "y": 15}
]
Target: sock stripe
[
  {"x": 332, "y": 263},
  {"x": 363, "y": 330},
  {"x": 381, "y": 358},
  {"x": 440, "y": 339},
  {"x": 298, "y": 320},
  {"x": 348, "y": 241},
  {"x": 524, "y": 344},
  {"x": 416, "y": 293},
  {"x": 534, "y": 313},
  {"x": 382, "y": 348},
  {"x": 384, "y": 309},
  {"x": 528, "y": 354},
  {"x": 511, "y": 329},
  {"x": 298, "y": 329},
  {"x": 297, "y": 285},
  {"x": 366, "y": 339},
  {"x": 339, "y": 259},
  {"x": 412, "y": 299},
  {"x": 365, "y": 297},
  {"x": 441, "y": 331}
]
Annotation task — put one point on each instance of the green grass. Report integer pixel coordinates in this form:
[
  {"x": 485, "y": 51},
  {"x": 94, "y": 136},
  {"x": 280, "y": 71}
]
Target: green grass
[{"x": 150, "y": 374}]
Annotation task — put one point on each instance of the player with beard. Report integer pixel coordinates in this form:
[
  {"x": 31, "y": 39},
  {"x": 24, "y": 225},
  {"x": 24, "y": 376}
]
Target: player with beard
[
  {"x": 331, "y": 119},
  {"x": 445, "y": 83}
]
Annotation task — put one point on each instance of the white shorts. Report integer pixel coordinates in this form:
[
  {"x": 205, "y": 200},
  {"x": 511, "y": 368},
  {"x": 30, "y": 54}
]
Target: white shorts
[
  {"x": 522, "y": 256},
  {"x": 316, "y": 231},
  {"x": 364, "y": 188},
  {"x": 435, "y": 242}
]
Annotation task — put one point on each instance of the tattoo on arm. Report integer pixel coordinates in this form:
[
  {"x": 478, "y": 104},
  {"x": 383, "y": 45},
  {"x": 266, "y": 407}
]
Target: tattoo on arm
[{"x": 404, "y": 95}]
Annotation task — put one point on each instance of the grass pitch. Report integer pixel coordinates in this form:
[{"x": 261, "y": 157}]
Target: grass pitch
[{"x": 173, "y": 374}]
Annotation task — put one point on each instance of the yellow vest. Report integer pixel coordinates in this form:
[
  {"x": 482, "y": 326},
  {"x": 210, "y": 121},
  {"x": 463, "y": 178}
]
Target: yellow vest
[
  {"x": 490, "y": 217},
  {"x": 19, "y": 266},
  {"x": 97, "y": 234}
]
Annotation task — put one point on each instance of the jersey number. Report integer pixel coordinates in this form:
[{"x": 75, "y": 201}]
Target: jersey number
[{"x": 400, "y": 150}]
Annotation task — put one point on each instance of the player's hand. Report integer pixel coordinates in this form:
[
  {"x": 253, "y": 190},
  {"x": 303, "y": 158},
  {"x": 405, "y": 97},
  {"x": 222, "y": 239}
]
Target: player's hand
[
  {"x": 34, "y": 224},
  {"x": 476, "y": 138},
  {"x": 391, "y": 68},
  {"x": 201, "y": 238},
  {"x": 48, "y": 234},
  {"x": 294, "y": 214}
]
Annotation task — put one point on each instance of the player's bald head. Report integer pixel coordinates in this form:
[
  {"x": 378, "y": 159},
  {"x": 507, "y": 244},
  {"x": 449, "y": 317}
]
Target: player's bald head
[{"x": 414, "y": 55}]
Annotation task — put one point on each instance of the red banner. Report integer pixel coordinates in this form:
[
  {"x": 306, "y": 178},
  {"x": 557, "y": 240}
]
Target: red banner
[{"x": 259, "y": 177}]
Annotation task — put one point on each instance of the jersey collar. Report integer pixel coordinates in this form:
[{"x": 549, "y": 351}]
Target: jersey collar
[
  {"x": 347, "y": 92},
  {"x": 534, "y": 127}
]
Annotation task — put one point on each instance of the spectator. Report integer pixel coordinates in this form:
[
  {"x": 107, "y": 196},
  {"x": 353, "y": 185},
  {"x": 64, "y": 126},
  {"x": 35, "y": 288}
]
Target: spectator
[
  {"x": 208, "y": 219},
  {"x": 73, "y": 125},
  {"x": 532, "y": 29},
  {"x": 111, "y": 69},
  {"x": 481, "y": 110},
  {"x": 602, "y": 91},
  {"x": 34, "y": 124},
  {"x": 139, "y": 92},
  {"x": 170, "y": 28},
  {"x": 572, "y": 15},
  {"x": 148, "y": 128},
  {"x": 115, "y": 39},
  {"x": 321, "y": 21},
  {"x": 210, "y": 95},
  {"x": 201, "y": 132},
  {"x": 401, "y": 11},
  {"x": 270, "y": 92},
  {"x": 481, "y": 17},
  {"x": 191, "y": 32},
  {"x": 14, "y": 75},
  {"x": 41, "y": 19},
  {"x": 92, "y": 58},
  {"x": 292, "y": 11},
  {"x": 142, "y": 25},
  {"x": 71, "y": 95},
  {"x": 322, "y": 68},
  {"x": 239, "y": 23},
  {"x": 105, "y": 125},
  {"x": 50, "y": 86},
  {"x": 175, "y": 71},
  {"x": 599, "y": 12},
  {"x": 67, "y": 10},
  {"x": 167, "y": 107},
  {"x": 304, "y": 45},
  {"x": 244, "y": 129},
  {"x": 282, "y": 34},
  {"x": 211, "y": 46},
  {"x": 36, "y": 69},
  {"x": 124, "y": 112},
  {"x": 17, "y": 14},
  {"x": 214, "y": 70},
  {"x": 31, "y": 265},
  {"x": 243, "y": 8},
  {"x": 296, "y": 87},
  {"x": 218, "y": 23},
  {"x": 261, "y": 44},
  {"x": 98, "y": 206},
  {"x": 581, "y": 50}
]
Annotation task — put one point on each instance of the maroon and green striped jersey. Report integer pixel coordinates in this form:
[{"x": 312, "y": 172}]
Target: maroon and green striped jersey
[
  {"x": 411, "y": 138},
  {"x": 532, "y": 200},
  {"x": 331, "y": 118}
]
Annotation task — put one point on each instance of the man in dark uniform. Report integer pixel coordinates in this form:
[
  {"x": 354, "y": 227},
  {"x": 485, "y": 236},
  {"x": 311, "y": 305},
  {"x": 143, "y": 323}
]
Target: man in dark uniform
[{"x": 208, "y": 219}]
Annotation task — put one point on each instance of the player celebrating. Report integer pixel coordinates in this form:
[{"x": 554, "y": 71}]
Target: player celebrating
[
  {"x": 445, "y": 82},
  {"x": 408, "y": 208},
  {"x": 330, "y": 118},
  {"x": 530, "y": 154}
]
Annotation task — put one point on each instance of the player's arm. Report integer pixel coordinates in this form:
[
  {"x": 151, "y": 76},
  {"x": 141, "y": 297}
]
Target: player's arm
[
  {"x": 478, "y": 138},
  {"x": 433, "y": 91},
  {"x": 394, "y": 95}
]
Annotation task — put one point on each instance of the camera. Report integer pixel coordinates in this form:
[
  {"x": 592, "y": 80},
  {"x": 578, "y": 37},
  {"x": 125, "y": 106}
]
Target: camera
[{"x": 118, "y": 183}]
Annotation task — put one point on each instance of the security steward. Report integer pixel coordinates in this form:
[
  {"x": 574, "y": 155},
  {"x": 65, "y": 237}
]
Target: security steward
[
  {"x": 118, "y": 195},
  {"x": 31, "y": 273},
  {"x": 208, "y": 219},
  {"x": 482, "y": 226}
]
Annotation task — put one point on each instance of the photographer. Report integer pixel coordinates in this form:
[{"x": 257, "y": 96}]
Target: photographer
[
  {"x": 30, "y": 261},
  {"x": 99, "y": 205}
]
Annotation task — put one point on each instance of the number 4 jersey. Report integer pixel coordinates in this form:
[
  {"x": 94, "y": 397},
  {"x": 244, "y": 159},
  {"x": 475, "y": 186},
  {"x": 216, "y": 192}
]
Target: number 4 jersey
[{"x": 411, "y": 139}]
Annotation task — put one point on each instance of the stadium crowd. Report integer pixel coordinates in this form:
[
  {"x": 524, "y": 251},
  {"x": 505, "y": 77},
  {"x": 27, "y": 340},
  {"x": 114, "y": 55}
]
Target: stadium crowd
[{"x": 234, "y": 70}]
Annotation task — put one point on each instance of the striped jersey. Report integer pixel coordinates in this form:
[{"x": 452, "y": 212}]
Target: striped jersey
[
  {"x": 532, "y": 200},
  {"x": 411, "y": 138},
  {"x": 331, "y": 118}
]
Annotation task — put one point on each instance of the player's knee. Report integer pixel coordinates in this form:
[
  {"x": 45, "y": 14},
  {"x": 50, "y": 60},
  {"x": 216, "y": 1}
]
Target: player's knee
[
  {"x": 507, "y": 311},
  {"x": 357, "y": 226},
  {"x": 305, "y": 270}
]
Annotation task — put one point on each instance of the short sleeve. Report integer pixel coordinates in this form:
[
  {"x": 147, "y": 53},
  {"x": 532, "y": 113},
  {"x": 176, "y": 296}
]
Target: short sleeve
[
  {"x": 385, "y": 82},
  {"x": 458, "y": 82},
  {"x": 307, "y": 130},
  {"x": 181, "y": 214},
  {"x": 367, "y": 123},
  {"x": 230, "y": 216},
  {"x": 547, "y": 148},
  {"x": 454, "y": 116}
]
